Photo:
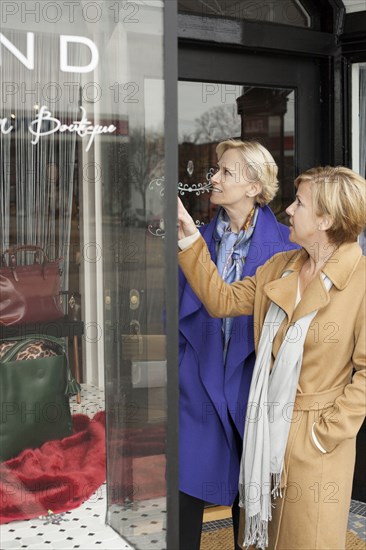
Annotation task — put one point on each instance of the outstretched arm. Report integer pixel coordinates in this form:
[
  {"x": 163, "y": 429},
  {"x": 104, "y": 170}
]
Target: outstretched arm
[{"x": 219, "y": 298}]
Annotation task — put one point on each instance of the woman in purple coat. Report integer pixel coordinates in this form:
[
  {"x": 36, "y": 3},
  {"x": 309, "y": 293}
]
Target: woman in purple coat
[{"x": 216, "y": 356}]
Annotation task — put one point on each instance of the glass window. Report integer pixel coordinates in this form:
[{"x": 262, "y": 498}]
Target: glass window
[
  {"x": 39, "y": 183},
  {"x": 82, "y": 150},
  {"x": 134, "y": 278},
  {"x": 288, "y": 12},
  {"x": 210, "y": 112}
]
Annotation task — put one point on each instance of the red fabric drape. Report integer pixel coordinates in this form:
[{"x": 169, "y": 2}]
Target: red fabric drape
[{"x": 58, "y": 476}]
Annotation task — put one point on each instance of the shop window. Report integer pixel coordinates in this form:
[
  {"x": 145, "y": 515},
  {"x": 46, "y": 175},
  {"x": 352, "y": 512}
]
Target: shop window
[
  {"x": 93, "y": 87},
  {"x": 39, "y": 179},
  {"x": 288, "y": 12},
  {"x": 212, "y": 112}
]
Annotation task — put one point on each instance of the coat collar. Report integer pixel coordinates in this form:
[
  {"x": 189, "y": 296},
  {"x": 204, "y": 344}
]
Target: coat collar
[
  {"x": 342, "y": 264},
  {"x": 339, "y": 268}
]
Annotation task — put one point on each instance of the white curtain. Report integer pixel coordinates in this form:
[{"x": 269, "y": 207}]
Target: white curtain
[{"x": 37, "y": 180}]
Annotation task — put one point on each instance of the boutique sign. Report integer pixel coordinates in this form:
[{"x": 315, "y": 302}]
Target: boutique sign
[
  {"x": 28, "y": 59},
  {"x": 45, "y": 124}
]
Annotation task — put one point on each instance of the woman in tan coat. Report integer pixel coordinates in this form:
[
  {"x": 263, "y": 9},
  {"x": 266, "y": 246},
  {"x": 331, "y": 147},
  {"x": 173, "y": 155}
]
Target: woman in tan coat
[{"x": 308, "y": 394}]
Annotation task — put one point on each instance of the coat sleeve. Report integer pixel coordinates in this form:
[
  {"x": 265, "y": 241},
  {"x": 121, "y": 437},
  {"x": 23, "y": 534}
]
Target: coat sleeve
[
  {"x": 219, "y": 298},
  {"x": 346, "y": 416}
]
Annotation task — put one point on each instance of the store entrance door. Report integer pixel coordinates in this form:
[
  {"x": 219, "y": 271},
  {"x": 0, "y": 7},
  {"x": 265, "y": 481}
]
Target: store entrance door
[
  {"x": 226, "y": 93},
  {"x": 230, "y": 94}
]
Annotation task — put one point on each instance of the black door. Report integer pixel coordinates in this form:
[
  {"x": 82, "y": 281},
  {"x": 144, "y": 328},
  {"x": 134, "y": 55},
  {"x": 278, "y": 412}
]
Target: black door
[{"x": 228, "y": 92}]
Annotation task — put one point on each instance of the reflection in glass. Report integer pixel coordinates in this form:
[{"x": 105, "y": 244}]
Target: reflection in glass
[
  {"x": 291, "y": 12},
  {"x": 212, "y": 112},
  {"x": 122, "y": 264},
  {"x": 134, "y": 269},
  {"x": 39, "y": 185}
]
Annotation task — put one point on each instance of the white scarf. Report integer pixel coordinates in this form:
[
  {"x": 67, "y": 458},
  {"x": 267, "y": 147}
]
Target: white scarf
[{"x": 268, "y": 420}]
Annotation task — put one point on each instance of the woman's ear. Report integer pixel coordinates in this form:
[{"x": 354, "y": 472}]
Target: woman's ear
[
  {"x": 325, "y": 223},
  {"x": 255, "y": 189}
]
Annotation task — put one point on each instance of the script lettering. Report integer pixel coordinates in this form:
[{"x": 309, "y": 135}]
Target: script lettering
[
  {"x": 5, "y": 126},
  {"x": 83, "y": 127}
]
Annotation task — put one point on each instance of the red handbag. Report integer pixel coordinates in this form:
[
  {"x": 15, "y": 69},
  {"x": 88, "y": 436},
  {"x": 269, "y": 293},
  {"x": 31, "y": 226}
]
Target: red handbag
[{"x": 29, "y": 293}]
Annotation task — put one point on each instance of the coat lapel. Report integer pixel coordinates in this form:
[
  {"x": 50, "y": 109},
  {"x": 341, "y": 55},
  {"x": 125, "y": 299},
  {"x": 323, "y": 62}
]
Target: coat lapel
[
  {"x": 314, "y": 298},
  {"x": 339, "y": 269},
  {"x": 283, "y": 291}
]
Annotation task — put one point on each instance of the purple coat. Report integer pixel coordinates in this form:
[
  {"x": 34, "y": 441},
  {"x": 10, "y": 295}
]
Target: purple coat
[{"x": 213, "y": 398}]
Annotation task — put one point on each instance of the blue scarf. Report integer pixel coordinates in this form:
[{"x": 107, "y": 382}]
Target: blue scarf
[{"x": 232, "y": 250}]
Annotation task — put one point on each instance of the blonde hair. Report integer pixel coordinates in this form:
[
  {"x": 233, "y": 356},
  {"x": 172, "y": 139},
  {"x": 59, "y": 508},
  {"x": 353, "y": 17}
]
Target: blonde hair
[
  {"x": 259, "y": 164},
  {"x": 339, "y": 193}
]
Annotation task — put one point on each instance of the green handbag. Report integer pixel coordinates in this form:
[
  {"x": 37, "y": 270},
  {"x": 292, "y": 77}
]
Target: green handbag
[{"x": 34, "y": 396}]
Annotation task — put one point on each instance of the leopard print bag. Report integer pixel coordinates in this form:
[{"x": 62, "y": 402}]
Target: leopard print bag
[{"x": 33, "y": 350}]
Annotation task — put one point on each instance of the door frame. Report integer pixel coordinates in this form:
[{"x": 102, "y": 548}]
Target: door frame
[
  {"x": 279, "y": 55},
  {"x": 234, "y": 66}
]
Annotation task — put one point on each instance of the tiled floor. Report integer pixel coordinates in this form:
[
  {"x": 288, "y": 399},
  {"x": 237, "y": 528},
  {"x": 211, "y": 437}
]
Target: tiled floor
[
  {"x": 82, "y": 528},
  {"x": 85, "y": 528},
  {"x": 356, "y": 523},
  {"x": 92, "y": 401},
  {"x": 144, "y": 525},
  {"x": 356, "y": 519}
]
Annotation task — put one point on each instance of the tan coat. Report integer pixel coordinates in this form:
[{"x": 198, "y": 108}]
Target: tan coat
[{"x": 314, "y": 509}]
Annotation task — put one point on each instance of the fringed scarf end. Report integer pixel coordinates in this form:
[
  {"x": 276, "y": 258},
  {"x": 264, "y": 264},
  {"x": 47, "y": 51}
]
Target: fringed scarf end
[{"x": 256, "y": 532}]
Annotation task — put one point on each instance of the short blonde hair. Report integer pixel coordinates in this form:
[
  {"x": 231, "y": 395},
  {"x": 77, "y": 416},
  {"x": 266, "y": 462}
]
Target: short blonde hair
[
  {"x": 340, "y": 193},
  {"x": 260, "y": 166}
]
